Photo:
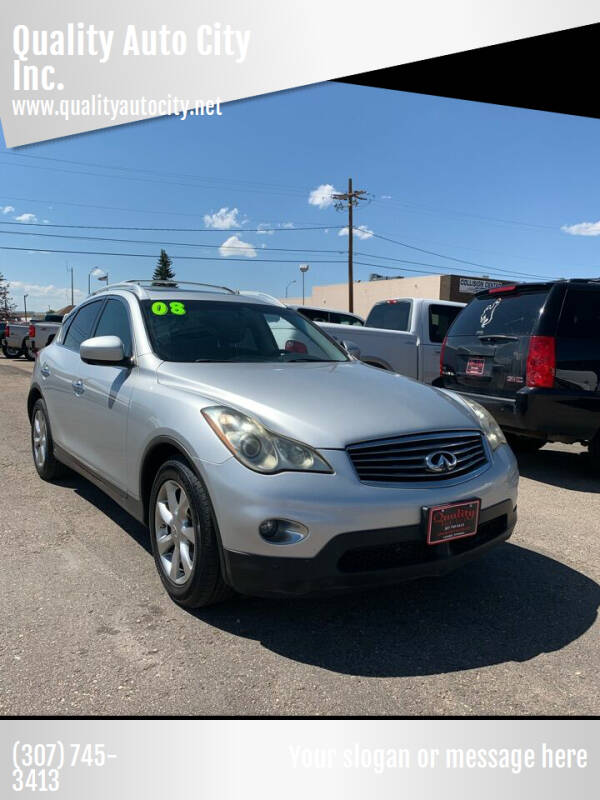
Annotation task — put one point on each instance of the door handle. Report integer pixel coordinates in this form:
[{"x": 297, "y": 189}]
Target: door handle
[
  {"x": 45, "y": 370},
  {"x": 77, "y": 387}
]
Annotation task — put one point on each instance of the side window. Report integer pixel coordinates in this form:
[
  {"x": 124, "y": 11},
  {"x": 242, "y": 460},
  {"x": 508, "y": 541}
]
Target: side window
[
  {"x": 580, "y": 318},
  {"x": 440, "y": 319},
  {"x": 114, "y": 321},
  {"x": 82, "y": 325}
]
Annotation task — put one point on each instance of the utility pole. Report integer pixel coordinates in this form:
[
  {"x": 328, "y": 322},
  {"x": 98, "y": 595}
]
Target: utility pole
[{"x": 352, "y": 198}]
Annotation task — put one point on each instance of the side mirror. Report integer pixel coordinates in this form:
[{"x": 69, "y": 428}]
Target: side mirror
[
  {"x": 102, "y": 350},
  {"x": 351, "y": 348}
]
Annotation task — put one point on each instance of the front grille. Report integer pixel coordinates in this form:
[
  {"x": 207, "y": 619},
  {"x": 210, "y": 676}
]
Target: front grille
[{"x": 402, "y": 459}]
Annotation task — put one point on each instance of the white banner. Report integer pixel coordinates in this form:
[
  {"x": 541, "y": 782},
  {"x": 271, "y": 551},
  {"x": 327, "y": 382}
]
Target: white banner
[{"x": 69, "y": 66}]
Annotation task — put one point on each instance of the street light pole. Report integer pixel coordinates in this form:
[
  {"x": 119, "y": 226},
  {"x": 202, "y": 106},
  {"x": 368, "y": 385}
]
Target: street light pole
[
  {"x": 288, "y": 286},
  {"x": 303, "y": 269},
  {"x": 25, "y": 296}
]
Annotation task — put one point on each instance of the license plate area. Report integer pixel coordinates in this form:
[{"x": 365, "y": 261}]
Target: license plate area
[
  {"x": 475, "y": 366},
  {"x": 451, "y": 521}
]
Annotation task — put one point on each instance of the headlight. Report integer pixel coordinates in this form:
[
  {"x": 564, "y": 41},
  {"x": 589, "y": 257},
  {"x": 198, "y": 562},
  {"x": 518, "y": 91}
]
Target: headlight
[
  {"x": 259, "y": 449},
  {"x": 493, "y": 431}
]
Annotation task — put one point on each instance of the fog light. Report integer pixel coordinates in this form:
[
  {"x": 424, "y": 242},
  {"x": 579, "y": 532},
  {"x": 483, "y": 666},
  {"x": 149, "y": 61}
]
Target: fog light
[{"x": 282, "y": 531}]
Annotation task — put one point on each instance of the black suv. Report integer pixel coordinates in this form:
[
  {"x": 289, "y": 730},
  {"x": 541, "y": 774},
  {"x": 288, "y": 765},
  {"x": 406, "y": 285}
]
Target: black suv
[{"x": 530, "y": 353}]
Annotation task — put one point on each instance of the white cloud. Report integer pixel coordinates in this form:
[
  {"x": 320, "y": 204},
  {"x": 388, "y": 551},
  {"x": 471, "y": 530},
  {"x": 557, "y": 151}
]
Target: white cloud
[
  {"x": 265, "y": 229},
  {"x": 26, "y": 218},
  {"x": 362, "y": 232},
  {"x": 40, "y": 296},
  {"x": 234, "y": 246},
  {"x": 322, "y": 196},
  {"x": 386, "y": 196},
  {"x": 287, "y": 225},
  {"x": 583, "y": 229},
  {"x": 7, "y": 209},
  {"x": 223, "y": 219}
]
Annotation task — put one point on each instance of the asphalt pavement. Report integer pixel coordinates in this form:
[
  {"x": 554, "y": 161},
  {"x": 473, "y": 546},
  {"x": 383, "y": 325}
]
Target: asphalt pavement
[{"x": 86, "y": 627}]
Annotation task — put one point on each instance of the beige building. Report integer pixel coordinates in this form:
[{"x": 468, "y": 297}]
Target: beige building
[{"x": 367, "y": 293}]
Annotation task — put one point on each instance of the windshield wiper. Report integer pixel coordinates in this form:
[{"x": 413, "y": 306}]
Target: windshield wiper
[
  {"x": 503, "y": 337},
  {"x": 309, "y": 358}
]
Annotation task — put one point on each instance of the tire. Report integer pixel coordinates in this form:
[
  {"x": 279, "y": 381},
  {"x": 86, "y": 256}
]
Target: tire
[
  {"x": 524, "y": 444},
  {"x": 42, "y": 446},
  {"x": 196, "y": 579},
  {"x": 594, "y": 453},
  {"x": 10, "y": 352},
  {"x": 28, "y": 353}
]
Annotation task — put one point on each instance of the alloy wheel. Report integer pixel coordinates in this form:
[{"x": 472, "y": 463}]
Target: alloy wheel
[
  {"x": 40, "y": 438},
  {"x": 174, "y": 531}
]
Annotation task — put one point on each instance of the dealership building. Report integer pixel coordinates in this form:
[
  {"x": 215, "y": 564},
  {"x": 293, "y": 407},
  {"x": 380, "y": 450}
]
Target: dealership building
[{"x": 367, "y": 293}]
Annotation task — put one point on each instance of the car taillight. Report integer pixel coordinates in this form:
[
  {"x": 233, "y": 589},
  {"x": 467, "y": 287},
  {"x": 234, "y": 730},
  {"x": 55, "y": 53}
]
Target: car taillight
[
  {"x": 32, "y": 331},
  {"x": 294, "y": 346},
  {"x": 442, "y": 355},
  {"x": 541, "y": 362},
  {"x": 7, "y": 330}
]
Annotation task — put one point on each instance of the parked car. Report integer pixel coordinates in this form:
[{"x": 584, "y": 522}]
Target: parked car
[
  {"x": 259, "y": 466},
  {"x": 328, "y": 315},
  {"x": 14, "y": 340},
  {"x": 530, "y": 353},
  {"x": 25, "y": 338},
  {"x": 403, "y": 335},
  {"x": 41, "y": 333}
]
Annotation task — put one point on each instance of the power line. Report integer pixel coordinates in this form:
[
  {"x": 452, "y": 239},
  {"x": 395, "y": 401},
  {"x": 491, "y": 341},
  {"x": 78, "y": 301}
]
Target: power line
[
  {"x": 220, "y": 231},
  {"x": 162, "y": 243},
  {"x": 463, "y": 269},
  {"x": 150, "y": 180},
  {"x": 180, "y": 257},
  {"x": 235, "y": 181},
  {"x": 152, "y": 242},
  {"x": 434, "y": 253},
  {"x": 416, "y": 208}
]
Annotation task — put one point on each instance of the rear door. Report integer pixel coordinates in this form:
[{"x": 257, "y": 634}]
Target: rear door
[
  {"x": 487, "y": 346},
  {"x": 60, "y": 367},
  {"x": 104, "y": 399}
]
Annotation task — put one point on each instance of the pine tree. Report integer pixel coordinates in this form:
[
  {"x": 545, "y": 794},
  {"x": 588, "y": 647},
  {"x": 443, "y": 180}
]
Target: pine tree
[
  {"x": 7, "y": 306},
  {"x": 163, "y": 271}
]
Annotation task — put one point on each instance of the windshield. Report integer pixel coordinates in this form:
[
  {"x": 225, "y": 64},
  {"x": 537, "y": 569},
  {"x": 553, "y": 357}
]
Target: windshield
[{"x": 216, "y": 331}]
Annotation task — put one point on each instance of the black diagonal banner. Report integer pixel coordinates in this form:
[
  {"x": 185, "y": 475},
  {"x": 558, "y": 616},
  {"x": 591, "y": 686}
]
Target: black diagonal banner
[{"x": 554, "y": 72}]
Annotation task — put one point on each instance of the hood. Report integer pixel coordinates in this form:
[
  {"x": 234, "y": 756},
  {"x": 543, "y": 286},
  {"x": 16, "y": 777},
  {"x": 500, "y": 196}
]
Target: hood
[{"x": 325, "y": 405}]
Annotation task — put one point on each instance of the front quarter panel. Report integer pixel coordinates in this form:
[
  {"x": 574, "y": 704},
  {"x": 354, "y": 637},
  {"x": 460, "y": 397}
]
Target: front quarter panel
[{"x": 160, "y": 413}]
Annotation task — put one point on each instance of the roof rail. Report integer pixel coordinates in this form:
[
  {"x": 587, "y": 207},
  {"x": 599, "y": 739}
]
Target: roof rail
[
  {"x": 266, "y": 296},
  {"x": 126, "y": 285},
  {"x": 174, "y": 284}
]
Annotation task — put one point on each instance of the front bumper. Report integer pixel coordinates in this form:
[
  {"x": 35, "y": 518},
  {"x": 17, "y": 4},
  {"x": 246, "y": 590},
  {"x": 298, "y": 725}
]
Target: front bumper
[
  {"x": 362, "y": 559},
  {"x": 331, "y": 504}
]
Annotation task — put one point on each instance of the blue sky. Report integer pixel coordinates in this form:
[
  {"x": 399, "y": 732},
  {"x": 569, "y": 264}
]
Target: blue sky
[{"x": 505, "y": 188}]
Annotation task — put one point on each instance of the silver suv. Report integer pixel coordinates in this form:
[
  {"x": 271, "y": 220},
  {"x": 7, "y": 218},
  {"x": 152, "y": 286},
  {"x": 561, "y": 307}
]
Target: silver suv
[{"x": 261, "y": 456}]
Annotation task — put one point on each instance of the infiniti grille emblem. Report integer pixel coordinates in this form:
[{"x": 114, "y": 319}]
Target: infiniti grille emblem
[{"x": 441, "y": 461}]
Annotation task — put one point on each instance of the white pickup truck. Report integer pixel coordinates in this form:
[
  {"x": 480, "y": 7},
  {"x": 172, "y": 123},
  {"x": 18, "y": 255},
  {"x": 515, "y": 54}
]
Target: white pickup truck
[
  {"x": 403, "y": 335},
  {"x": 26, "y": 338}
]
